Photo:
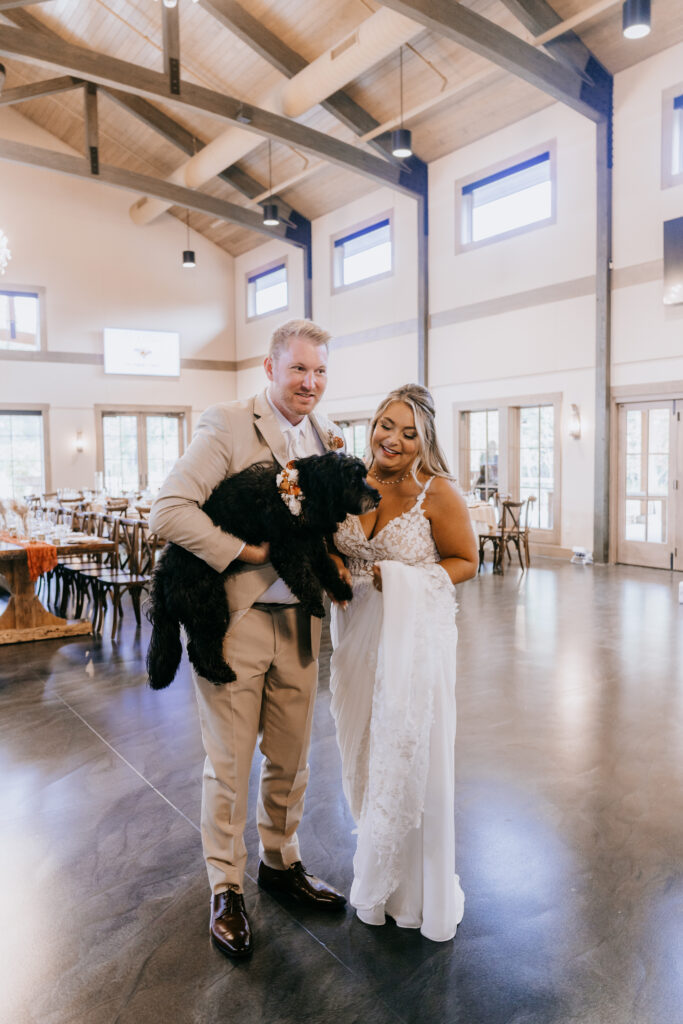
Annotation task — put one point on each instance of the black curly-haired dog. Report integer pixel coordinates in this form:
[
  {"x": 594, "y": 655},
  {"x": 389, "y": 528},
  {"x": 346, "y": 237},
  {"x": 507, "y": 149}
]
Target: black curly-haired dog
[{"x": 186, "y": 590}]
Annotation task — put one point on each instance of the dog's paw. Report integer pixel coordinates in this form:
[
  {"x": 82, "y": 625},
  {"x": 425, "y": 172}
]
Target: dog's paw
[
  {"x": 342, "y": 591},
  {"x": 316, "y": 610}
]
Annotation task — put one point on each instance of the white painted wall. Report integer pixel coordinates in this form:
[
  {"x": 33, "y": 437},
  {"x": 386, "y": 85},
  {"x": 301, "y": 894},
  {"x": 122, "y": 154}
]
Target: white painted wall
[
  {"x": 647, "y": 335},
  {"x": 75, "y": 239},
  {"x": 252, "y": 336},
  {"x": 362, "y": 366},
  {"x": 547, "y": 347},
  {"x": 480, "y": 348}
]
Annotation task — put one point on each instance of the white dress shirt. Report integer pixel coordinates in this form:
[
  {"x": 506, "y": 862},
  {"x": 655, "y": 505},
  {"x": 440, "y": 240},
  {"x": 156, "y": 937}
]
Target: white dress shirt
[{"x": 302, "y": 440}]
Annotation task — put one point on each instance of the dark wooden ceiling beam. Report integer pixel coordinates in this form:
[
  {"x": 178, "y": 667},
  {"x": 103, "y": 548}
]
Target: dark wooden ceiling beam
[
  {"x": 538, "y": 17},
  {"x": 130, "y": 181},
  {"x": 481, "y": 36},
  {"x": 170, "y": 41},
  {"x": 190, "y": 144},
  {"x": 175, "y": 133},
  {"x": 110, "y": 71},
  {"x": 91, "y": 125},
  {"x": 34, "y": 90}
]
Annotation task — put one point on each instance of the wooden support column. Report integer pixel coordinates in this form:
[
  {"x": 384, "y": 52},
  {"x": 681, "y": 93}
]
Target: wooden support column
[
  {"x": 603, "y": 354},
  {"x": 170, "y": 37},
  {"x": 91, "y": 127}
]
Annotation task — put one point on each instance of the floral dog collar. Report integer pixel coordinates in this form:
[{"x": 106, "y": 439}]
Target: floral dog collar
[{"x": 288, "y": 486}]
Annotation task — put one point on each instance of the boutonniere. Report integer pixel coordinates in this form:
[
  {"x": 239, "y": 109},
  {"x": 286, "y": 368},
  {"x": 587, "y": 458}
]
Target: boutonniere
[
  {"x": 333, "y": 441},
  {"x": 288, "y": 486}
]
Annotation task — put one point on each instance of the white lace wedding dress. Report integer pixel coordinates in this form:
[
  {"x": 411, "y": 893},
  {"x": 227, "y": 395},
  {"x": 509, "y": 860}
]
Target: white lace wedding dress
[{"x": 393, "y": 701}]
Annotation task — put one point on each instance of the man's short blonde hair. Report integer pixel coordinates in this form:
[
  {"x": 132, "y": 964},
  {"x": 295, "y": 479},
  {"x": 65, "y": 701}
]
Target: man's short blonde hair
[{"x": 297, "y": 329}]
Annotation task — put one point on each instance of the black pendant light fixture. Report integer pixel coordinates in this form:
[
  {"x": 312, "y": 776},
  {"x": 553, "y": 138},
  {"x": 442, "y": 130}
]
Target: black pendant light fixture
[
  {"x": 635, "y": 18},
  {"x": 188, "y": 254},
  {"x": 401, "y": 139},
  {"x": 271, "y": 216}
]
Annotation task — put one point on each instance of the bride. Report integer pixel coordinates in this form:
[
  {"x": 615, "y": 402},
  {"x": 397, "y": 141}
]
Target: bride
[{"x": 393, "y": 672}]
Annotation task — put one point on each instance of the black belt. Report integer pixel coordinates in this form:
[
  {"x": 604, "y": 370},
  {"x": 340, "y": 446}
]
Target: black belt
[{"x": 269, "y": 606}]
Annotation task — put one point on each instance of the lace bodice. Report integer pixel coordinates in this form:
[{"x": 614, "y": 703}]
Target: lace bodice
[{"x": 406, "y": 538}]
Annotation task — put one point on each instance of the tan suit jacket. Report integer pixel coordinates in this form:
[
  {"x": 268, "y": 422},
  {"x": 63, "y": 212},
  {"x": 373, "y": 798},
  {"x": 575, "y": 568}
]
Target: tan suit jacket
[{"x": 229, "y": 438}]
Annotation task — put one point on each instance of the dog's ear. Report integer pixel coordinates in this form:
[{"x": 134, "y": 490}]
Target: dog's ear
[{"x": 322, "y": 482}]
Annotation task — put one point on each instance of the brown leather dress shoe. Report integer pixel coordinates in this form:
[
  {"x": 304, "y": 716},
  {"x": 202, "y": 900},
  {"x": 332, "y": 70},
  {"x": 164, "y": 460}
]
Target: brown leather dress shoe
[
  {"x": 301, "y": 886},
  {"x": 230, "y": 931}
]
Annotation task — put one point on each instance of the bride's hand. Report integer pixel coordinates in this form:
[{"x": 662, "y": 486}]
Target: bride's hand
[{"x": 377, "y": 578}]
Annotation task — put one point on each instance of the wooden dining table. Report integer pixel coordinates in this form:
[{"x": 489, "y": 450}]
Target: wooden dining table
[{"x": 25, "y": 617}]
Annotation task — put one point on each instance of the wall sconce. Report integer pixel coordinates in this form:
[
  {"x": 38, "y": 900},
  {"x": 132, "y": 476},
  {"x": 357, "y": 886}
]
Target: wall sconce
[
  {"x": 79, "y": 441},
  {"x": 575, "y": 423}
]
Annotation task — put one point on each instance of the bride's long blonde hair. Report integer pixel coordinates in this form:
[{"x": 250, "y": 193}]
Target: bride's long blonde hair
[{"x": 430, "y": 459}]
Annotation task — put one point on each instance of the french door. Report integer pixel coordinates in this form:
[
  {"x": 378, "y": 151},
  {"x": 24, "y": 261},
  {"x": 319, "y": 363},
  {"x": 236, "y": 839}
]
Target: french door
[
  {"x": 139, "y": 449},
  {"x": 650, "y": 519}
]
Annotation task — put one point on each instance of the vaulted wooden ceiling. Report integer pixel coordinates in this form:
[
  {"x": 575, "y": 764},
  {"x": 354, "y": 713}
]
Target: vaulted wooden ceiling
[{"x": 452, "y": 95}]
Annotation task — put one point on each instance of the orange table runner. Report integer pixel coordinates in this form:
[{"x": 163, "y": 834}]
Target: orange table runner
[{"x": 41, "y": 557}]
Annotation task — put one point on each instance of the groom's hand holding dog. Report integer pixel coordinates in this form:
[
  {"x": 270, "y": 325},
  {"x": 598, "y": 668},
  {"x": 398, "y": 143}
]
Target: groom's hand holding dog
[{"x": 271, "y": 644}]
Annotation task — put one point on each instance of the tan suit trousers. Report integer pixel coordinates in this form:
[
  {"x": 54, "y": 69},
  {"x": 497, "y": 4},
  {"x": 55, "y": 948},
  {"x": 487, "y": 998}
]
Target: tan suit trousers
[{"x": 272, "y": 698}]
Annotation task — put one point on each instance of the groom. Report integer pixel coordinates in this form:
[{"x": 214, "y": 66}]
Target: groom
[{"x": 272, "y": 646}]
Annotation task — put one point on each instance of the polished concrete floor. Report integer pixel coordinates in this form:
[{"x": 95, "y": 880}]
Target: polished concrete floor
[{"x": 569, "y": 833}]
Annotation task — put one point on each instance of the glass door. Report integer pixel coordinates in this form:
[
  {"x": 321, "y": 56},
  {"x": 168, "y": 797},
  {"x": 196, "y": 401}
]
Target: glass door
[
  {"x": 649, "y": 444},
  {"x": 139, "y": 449}
]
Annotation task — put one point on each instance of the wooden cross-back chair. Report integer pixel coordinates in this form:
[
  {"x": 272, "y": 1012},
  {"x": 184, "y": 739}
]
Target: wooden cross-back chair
[
  {"x": 73, "y": 571},
  {"x": 137, "y": 549},
  {"x": 513, "y": 529}
]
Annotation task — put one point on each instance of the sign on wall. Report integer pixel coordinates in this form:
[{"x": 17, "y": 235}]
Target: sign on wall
[{"x": 148, "y": 353}]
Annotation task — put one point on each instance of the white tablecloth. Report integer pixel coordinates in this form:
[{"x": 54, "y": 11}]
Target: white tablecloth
[{"x": 483, "y": 517}]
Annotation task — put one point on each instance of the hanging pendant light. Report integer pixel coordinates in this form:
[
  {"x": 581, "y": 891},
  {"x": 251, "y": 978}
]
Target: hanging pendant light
[
  {"x": 188, "y": 254},
  {"x": 635, "y": 18},
  {"x": 271, "y": 214},
  {"x": 401, "y": 138}
]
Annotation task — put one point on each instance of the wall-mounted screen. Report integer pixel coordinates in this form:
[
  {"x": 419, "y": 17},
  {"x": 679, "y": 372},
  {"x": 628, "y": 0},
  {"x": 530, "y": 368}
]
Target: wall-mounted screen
[
  {"x": 673, "y": 261},
  {"x": 146, "y": 353}
]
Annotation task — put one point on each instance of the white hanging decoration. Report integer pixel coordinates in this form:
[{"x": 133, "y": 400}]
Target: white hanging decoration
[{"x": 5, "y": 254}]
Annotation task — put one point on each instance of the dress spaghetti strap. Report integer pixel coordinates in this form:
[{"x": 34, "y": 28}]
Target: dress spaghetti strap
[{"x": 421, "y": 496}]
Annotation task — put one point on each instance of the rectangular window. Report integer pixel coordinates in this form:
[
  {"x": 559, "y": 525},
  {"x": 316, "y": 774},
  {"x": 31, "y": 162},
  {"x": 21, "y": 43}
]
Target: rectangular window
[
  {"x": 139, "y": 449},
  {"x": 363, "y": 254},
  {"x": 506, "y": 201},
  {"x": 267, "y": 291},
  {"x": 355, "y": 436},
  {"x": 22, "y": 454},
  {"x": 19, "y": 320},
  {"x": 677, "y": 136},
  {"x": 537, "y": 462},
  {"x": 482, "y": 452}
]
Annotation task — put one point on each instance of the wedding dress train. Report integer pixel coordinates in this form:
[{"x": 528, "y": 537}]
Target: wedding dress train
[{"x": 393, "y": 701}]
